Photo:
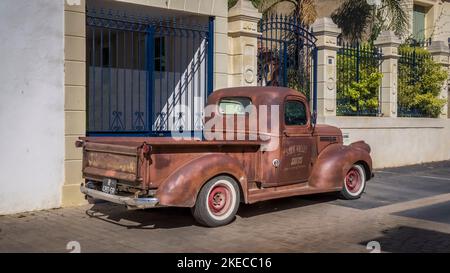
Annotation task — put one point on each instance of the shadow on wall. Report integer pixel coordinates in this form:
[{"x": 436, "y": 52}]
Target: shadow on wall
[{"x": 404, "y": 239}]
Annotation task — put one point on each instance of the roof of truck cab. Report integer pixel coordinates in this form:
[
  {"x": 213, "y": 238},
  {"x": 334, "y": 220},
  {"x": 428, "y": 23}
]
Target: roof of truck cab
[{"x": 258, "y": 95}]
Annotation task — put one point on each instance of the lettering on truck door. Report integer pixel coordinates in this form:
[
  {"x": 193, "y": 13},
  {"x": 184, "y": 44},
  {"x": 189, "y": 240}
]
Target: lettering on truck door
[{"x": 296, "y": 143}]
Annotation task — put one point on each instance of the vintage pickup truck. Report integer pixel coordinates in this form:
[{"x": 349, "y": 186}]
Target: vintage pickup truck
[{"x": 212, "y": 177}]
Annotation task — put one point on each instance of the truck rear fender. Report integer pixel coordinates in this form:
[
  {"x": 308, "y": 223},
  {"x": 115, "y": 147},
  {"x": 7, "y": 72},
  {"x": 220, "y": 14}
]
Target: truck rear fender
[
  {"x": 181, "y": 188},
  {"x": 335, "y": 161}
]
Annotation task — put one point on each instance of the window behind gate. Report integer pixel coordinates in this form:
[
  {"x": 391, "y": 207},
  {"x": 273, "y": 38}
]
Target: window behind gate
[{"x": 145, "y": 75}]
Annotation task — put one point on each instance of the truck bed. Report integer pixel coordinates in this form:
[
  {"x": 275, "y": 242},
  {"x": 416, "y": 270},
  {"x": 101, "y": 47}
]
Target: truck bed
[{"x": 145, "y": 162}]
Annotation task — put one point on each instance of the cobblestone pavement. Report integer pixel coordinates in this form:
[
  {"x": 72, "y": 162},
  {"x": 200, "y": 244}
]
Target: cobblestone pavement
[{"x": 404, "y": 209}]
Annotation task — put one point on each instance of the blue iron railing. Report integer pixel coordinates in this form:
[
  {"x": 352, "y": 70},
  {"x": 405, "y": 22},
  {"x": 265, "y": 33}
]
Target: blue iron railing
[
  {"x": 418, "y": 43},
  {"x": 355, "y": 64},
  {"x": 286, "y": 54},
  {"x": 410, "y": 71},
  {"x": 143, "y": 71}
]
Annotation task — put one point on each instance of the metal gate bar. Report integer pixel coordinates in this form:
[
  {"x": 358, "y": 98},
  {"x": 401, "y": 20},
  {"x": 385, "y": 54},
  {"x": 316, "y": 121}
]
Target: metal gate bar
[
  {"x": 142, "y": 71},
  {"x": 287, "y": 54}
]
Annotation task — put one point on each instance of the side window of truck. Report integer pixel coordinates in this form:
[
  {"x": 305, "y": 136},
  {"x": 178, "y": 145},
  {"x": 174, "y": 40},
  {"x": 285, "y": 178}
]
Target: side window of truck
[{"x": 295, "y": 113}]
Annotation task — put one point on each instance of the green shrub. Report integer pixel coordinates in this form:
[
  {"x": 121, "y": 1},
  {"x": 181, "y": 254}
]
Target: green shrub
[
  {"x": 420, "y": 81},
  {"x": 357, "y": 95},
  {"x": 362, "y": 95}
]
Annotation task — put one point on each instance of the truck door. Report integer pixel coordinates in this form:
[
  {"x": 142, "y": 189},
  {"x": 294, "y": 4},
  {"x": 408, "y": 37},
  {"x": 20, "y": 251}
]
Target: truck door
[{"x": 296, "y": 143}]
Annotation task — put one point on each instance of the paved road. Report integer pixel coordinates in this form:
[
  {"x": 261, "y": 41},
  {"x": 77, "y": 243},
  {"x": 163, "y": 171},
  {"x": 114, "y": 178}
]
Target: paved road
[{"x": 404, "y": 209}]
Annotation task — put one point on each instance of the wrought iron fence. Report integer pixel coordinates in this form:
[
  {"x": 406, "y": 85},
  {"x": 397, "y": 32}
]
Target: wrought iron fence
[
  {"x": 142, "y": 71},
  {"x": 422, "y": 43},
  {"x": 286, "y": 54},
  {"x": 410, "y": 64},
  {"x": 358, "y": 79}
]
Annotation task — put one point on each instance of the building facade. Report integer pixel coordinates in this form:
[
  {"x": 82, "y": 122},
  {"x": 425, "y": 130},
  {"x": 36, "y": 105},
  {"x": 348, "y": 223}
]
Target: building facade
[
  {"x": 428, "y": 19},
  {"x": 72, "y": 68}
]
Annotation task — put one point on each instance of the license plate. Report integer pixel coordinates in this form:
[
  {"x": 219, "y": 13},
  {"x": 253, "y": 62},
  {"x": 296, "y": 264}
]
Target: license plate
[{"x": 109, "y": 186}]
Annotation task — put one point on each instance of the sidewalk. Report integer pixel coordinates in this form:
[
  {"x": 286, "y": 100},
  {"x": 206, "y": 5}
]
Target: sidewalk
[{"x": 404, "y": 209}]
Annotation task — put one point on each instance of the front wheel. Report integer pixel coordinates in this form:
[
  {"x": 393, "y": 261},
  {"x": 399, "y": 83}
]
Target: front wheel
[
  {"x": 217, "y": 202},
  {"x": 354, "y": 183}
]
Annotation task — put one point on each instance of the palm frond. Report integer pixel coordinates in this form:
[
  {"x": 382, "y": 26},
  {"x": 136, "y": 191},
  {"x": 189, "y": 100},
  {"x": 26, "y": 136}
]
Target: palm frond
[
  {"x": 308, "y": 12},
  {"x": 303, "y": 9},
  {"x": 358, "y": 19},
  {"x": 354, "y": 18},
  {"x": 398, "y": 18}
]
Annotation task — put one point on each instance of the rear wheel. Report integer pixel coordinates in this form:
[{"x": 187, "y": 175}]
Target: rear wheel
[
  {"x": 217, "y": 202},
  {"x": 354, "y": 183}
]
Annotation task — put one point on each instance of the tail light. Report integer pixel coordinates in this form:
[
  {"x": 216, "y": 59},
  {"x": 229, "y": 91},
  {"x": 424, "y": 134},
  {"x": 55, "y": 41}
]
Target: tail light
[{"x": 79, "y": 144}]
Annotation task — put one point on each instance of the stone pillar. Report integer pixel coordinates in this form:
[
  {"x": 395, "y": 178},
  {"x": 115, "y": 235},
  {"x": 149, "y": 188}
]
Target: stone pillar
[
  {"x": 243, "y": 32},
  {"x": 389, "y": 43},
  {"x": 326, "y": 33},
  {"x": 440, "y": 52},
  {"x": 75, "y": 98}
]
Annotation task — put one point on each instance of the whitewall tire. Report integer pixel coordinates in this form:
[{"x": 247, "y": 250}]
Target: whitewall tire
[
  {"x": 354, "y": 183},
  {"x": 217, "y": 202}
]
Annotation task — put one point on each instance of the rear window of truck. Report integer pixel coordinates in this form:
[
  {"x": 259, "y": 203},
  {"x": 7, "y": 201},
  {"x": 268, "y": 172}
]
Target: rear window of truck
[{"x": 234, "y": 106}]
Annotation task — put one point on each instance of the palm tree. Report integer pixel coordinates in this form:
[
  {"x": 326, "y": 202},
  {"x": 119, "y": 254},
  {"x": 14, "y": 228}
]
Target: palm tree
[
  {"x": 365, "y": 19},
  {"x": 304, "y": 9},
  {"x": 231, "y": 3}
]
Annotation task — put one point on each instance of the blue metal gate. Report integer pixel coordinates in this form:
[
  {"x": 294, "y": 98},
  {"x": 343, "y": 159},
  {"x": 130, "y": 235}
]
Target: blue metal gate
[
  {"x": 147, "y": 76},
  {"x": 287, "y": 55}
]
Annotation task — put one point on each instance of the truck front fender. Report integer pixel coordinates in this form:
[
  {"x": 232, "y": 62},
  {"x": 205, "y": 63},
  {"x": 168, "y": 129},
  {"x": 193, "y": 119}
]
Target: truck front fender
[
  {"x": 335, "y": 161},
  {"x": 181, "y": 188}
]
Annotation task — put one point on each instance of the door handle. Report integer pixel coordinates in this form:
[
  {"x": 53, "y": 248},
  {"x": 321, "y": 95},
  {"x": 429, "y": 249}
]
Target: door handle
[{"x": 289, "y": 134}]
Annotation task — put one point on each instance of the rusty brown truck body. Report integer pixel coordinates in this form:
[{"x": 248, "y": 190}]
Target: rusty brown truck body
[{"x": 214, "y": 176}]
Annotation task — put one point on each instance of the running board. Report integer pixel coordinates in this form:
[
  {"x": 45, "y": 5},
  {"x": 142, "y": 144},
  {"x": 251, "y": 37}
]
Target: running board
[{"x": 257, "y": 195}]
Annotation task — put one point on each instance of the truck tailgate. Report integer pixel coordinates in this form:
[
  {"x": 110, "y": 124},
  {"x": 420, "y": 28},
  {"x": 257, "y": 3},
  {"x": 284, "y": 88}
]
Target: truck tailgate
[{"x": 102, "y": 160}]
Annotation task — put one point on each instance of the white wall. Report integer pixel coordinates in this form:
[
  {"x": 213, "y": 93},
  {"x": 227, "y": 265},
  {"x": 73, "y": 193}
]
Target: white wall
[
  {"x": 398, "y": 141},
  {"x": 31, "y": 104}
]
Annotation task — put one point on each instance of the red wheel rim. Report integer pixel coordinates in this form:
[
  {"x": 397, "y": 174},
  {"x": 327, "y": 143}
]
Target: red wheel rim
[
  {"x": 353, "y": 180},
  {"x": 219, "y": 200}
]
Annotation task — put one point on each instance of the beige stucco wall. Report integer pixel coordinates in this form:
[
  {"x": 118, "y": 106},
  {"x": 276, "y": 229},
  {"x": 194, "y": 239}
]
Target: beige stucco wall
[
  {"x": 75, "y": 98},
  {"x": 325, "y": 8},
  {"x": 437, "y": 20},
  {"x": 216, "y": 8},
  {"x": 441, "y": 16},
  {"x": 397, "y": 141},
  {"x": 75, "y": 74}
]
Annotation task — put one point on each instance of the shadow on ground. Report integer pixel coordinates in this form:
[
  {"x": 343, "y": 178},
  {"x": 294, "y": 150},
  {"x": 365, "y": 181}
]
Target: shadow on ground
[
  {"x": 165, "y": 218},
  {"x": 275, "y": 205},
  {"x": 437, "y": 213},
  {"x": 168, "y": 218},
  {"x": 404, "y": 239}
]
